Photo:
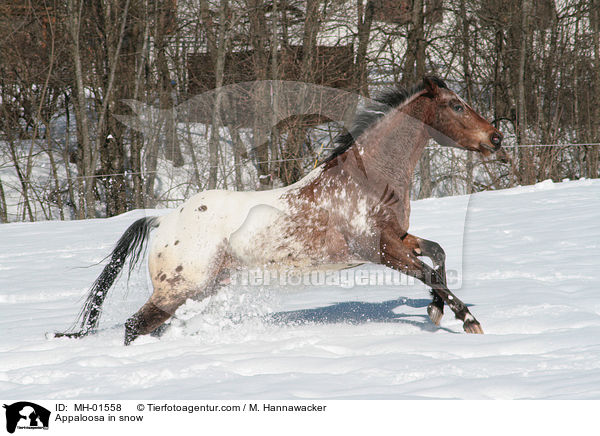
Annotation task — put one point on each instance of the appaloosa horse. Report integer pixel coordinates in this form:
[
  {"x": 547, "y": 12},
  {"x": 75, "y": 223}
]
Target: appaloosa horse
[{"x": 352, "y": 209}]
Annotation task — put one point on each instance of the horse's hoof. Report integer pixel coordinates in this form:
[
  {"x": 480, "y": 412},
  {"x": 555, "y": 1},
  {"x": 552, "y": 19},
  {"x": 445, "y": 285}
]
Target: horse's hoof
[
  {"x": 473, "y": 326},
  {"x": 435, "y": 313},
  {"x": 129, "y": 338}
]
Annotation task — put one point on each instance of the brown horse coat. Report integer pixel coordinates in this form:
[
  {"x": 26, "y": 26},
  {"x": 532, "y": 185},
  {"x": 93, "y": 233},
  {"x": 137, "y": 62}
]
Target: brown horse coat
[{"x": 354, "y": 208}]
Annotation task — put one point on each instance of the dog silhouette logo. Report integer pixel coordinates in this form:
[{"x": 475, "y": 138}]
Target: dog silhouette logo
[{"x": 26, "y": 415}]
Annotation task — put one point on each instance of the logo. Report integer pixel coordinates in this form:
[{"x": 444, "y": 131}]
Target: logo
[{"x": 26, "y": 415}]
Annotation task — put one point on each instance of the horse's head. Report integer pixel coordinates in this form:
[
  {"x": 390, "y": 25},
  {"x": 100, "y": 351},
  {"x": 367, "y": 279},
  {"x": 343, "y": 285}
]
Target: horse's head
[{"x": 455, "y": 124}]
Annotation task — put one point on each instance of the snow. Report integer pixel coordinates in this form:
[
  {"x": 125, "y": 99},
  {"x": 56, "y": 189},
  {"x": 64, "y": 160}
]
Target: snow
[{"x": 527, "y": 262}]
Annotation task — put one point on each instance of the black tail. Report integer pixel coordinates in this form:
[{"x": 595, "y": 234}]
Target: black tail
[{"x": 131, "y": 244}]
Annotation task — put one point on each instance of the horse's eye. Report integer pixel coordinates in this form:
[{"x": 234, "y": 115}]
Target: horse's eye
[{"x": 458, "y": 107}]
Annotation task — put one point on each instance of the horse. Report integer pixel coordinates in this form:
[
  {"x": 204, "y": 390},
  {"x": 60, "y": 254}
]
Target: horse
[{"x": 352, "y": 209}]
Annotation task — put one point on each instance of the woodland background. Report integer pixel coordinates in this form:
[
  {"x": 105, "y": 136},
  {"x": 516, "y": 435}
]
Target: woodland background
[{"x": 70, "y": 68}]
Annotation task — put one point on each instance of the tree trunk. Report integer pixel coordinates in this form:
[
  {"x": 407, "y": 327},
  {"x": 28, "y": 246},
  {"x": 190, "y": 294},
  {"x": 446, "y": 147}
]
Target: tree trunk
[
  {"x": 594, "y": 171},
  {"x": 86, "y": 167},
  {"x": 290, "y": 169},
  {"x": 54, "y": 171},
  {"x": 3, "y": 208},
  {"x": 67, "y": 157},
  {"x": 260, "y": 141},
  {"x": 414, "y": 65},
  {"x": 525, "y": 158},
  {"x": 238, "y": 153},
  {"x": 167, "y": 90},
  {"x": 413, "y": 71},
  {"x": 468, "y": 85},
  {"x": 137, "y": 138},
  {"x": 216, "y": 124},
  {"x": 365, "y": 20}
]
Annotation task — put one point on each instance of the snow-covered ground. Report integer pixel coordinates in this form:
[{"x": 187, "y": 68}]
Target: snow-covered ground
[{"x": 530, "y": 263}]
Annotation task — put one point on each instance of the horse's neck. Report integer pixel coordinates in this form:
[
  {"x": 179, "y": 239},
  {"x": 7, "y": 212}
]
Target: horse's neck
[
  {"x": 381, "y": 161},
  {"x": 391, "y": 150}
]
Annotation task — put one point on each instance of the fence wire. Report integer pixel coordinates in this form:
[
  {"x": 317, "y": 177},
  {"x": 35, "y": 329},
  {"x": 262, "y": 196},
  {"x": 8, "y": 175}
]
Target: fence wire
[{"x": 306, "y": 158}]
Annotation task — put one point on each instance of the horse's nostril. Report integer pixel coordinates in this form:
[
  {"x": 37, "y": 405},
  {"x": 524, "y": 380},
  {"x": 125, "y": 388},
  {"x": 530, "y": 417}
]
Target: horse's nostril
[{"x": 496, "y": 139}]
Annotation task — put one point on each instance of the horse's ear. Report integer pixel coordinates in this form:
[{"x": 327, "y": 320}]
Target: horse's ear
[{"x": 431, "y": 86}]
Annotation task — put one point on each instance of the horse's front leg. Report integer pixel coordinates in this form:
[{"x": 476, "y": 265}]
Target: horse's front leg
[
  {"x": 395, "y": 254},
  {"x": 432, "y": 250}
]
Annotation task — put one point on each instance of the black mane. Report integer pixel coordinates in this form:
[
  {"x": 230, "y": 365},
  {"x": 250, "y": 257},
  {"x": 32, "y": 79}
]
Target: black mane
[{"x": 374, "y": 111}]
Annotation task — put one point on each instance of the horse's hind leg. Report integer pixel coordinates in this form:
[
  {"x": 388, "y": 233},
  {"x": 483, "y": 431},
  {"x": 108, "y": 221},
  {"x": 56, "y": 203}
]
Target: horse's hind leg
[
  {"x": 432, "y": 250},
  {"x": 145, "y": 321},
  {"x": 162, "y": 305}
]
